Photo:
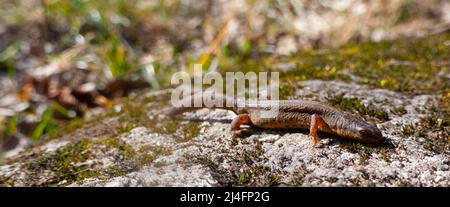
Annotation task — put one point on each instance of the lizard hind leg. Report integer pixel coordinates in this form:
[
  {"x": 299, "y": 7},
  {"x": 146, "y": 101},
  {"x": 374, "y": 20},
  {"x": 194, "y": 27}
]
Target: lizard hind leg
[
  {"x": 316, "y": 123},
  {"x": 236, "y": 125}
]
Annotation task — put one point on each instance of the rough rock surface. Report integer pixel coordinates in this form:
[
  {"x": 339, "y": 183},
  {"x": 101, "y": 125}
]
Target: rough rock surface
[{"x": 417, "y": 155}]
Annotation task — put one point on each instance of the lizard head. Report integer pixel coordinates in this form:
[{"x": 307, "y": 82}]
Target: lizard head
[
  {"x": 370, "y": 134},
  {"x": 361, "y": 131}
]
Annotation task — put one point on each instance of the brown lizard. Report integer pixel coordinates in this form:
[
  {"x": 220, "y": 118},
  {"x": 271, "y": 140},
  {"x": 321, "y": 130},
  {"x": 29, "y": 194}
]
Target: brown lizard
[{"x": 292, "y": 114}]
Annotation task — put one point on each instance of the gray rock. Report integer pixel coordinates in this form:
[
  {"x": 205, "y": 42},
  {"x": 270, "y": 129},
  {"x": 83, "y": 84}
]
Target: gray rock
[{"x": 266, "y": 158}]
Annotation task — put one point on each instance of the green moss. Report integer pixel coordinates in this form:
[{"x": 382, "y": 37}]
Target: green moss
[
  {"x": 125, "y": 127},
  {"x": 363, "y": 158},
  {"x": 298, "y": 180},
  {"x": 274, "y": 180},
  {"x": 208, "y": 162},
  {"x": 285, "y": 91},
  {"x": 257, "y": 175},
  {"x": 167, "y": 127},
  {"x": 70, "y": 163},
  {"x": 6, "y": 182},
  {"x": 432, "y": 121},
  {"x": 234, "y": 141},
  {"x": 191, "y": 130},
  {"x": 385, "y": 154},
  {"x": 352, "y": 147},
  {"x": 365, "y": 152},
  {"x": 400, "y": 110},
  {"x": 182, "y": 130},
  {"x": 355, "y": 181},
  {"x": 146, "y": 158},
  {"x": 434, "y": 128},
  {"x": 63, "y": 162},
  {"x": 355, "y": 106},
  {"x": 115, "y": 143},
  {"x": 133, "y": 114},
  {"x": 258, "y": 148},
  {"x": 148, "y": 153},
  {"x": 409, "y": 64},
  {"x": 247, "y": 168},
  {"x": 331, "y": 179},
  {"x": 445, "y": 102},
  {"x": 71, "y": 126},
  {"x": 408, "y": 130},
  {"x": 160, "y": 164},
  {"x": 402, "y": 65}
]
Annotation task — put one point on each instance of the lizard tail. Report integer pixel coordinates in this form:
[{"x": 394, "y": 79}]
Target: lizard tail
[
  {"x": 173, "y": 111},
  {"x": 188, "y": 104}
]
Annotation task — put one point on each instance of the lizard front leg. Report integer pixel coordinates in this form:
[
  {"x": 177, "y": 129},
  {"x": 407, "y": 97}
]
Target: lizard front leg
[
  {"x": 317, "y": 123},
  {"x": 236, "y": 125}
]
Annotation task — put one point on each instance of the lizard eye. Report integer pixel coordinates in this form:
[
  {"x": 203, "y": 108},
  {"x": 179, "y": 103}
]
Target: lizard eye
[{"x": 364, "y": 131}]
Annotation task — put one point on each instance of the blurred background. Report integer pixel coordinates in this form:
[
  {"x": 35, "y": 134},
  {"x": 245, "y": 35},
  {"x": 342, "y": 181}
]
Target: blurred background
[{"x": 64, "y": 60}]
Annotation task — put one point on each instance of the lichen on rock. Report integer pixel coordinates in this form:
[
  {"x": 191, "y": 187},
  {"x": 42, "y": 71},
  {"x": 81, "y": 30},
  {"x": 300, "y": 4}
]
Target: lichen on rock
[{"x": 132, "y": 146}]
